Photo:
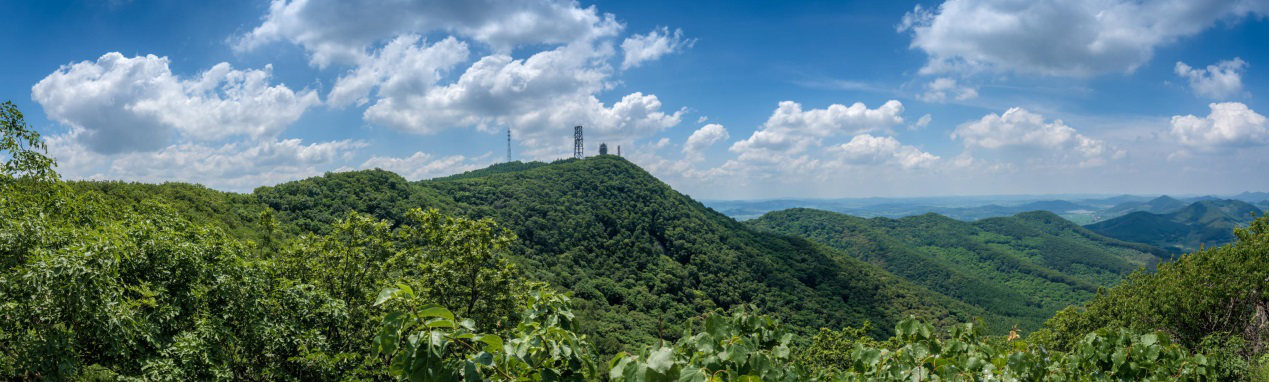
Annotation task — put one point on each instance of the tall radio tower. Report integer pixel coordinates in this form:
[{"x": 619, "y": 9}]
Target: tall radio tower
[
  {"x": 577, "y": 142},
  {"x": 508, "y": 144}
]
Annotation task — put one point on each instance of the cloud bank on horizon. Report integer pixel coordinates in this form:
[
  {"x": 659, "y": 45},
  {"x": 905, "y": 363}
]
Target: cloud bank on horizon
[{"x": 970, "y": 107}]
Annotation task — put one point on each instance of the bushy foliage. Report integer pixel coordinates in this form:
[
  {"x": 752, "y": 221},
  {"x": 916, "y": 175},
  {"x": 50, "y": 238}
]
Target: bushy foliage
[
  {"x": 740, "y": 347},
  {"x": 1210, "y": 300},
  {"x": 426, "y": 342},
  {"x": 21, "y": 148},
  {"x": 917, "y": 353},
  {"x": 101, "y": 281}
]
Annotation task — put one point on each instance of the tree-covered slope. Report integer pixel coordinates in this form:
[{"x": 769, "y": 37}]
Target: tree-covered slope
[
  {"x": 232, "y": 212},
  {"x": 1203, "y": 223},
  {"x": 636, "y": 253},
  {"x": 1023, "y": 268},
  {"x": 1211, "y": 300},
  {"x": 312, "y": 204}
]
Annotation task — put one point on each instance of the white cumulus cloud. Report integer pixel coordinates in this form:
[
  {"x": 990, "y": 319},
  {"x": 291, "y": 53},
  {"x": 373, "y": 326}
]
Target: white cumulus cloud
[
  {"x": 236, "y": 166},
  {"x": 539, "y": 91},
  {"x": 338, "y": 31},
  {"x": 421, "y": 165},
  {"x": 1019, "y": 128},
  {"x": 405, "y": 66},
  {"x": 540, "y": 98},
  {"x": 1076, "y": 38},
  {"x": 791, "y": 130},
  {"x": 702, "y": 139},
  {"x": 1230, "y": 124},
  {"x": 1221, "y": 81},
  {"x": 126, "y": 104},
  {"x": 871, "y": 150},
  {"x": 651, "y": 46}
]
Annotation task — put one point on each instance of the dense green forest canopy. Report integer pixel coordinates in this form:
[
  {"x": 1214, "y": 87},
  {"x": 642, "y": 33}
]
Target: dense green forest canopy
[
  {"x": 1023, "y": 268},
  {"x": 364, "y": 276},
  {"x": 634, "y": 252}
]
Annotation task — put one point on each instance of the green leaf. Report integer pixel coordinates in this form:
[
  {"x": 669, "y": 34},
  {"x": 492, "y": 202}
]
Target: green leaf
[
  {"x": 661, "y": 360},
  {"x": 618, "y": 365},
  {"x": 484, "y": 358},
  {"x": 492, "y": 342},
  {"x": 1149, "y": 339},
  {"x": 442, "y": 323},
  {"x": 436, "y": 311},
  {"x": 692, "y": 375},
  {"x": 385, "y": 295},
  {"x": 471, "y": 373},
  {"x": 1118, "y": 357}
]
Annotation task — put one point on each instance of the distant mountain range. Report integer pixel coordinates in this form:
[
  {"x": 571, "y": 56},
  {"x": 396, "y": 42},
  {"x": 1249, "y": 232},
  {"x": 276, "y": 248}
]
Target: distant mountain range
[
  {"x": 1252, "y": 197},
  {"x": 1161, "y": 205},
  {"x": 1203, "y": 223},
  {"x": 1081, "y": 209}
]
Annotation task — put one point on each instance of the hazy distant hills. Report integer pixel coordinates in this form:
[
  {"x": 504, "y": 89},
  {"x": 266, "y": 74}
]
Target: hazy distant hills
[
  {"x": 1081, "y": 209},
  {"x": 1161, "y": 205},
  {"x": 961, "y": 208},
  {"x": 1023, "y": 267},
  {"x": 1203, "y": 223},
  {"x": 1252, "y": 197}
]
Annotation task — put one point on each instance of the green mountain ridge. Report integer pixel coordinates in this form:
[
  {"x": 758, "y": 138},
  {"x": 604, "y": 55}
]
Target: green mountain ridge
[
  {"x": 1024, "y": 267},
  {"x": 635, "y": 252},
  {"x": 1203, "y": 223},
  {"x": 1161, "y": 205}
]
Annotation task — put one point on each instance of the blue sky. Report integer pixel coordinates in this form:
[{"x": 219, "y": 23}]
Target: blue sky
[{"x": 721, "y": 99}]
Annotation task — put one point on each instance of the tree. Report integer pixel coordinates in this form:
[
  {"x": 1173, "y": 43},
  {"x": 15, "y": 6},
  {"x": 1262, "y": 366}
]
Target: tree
[
  {"x": 426, "y": 342},
  {"x": 25, "y": 150},
  {"x": 459, "y": 263}
]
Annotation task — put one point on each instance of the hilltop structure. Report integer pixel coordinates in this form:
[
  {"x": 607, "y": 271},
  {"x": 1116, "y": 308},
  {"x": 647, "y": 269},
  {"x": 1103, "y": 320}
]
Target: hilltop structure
[
  {"x": 603, "y": 149},
  {"x": 577, "y": 142}
]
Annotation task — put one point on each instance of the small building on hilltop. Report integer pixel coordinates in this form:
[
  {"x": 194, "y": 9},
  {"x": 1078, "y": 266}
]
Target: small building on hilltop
[{"x": 603, "y": 149}]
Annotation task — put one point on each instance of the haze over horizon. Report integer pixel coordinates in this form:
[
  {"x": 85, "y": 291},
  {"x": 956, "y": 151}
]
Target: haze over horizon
[{"x": 722, "y": 100}]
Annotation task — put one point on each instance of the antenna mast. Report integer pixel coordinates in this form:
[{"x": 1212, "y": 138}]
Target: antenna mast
[
  {"x": 577, "y": 142},
  {"x": 508, "y": 144}
]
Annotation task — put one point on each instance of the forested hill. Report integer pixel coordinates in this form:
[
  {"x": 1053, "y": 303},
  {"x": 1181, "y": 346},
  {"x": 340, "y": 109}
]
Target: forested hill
[
  {"x": 1207, "y": 223},
  {"x": 635, "y": 252},
  {"x": 1024, "y": 267},
  {"x": 638, "y": 252}
]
